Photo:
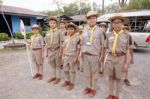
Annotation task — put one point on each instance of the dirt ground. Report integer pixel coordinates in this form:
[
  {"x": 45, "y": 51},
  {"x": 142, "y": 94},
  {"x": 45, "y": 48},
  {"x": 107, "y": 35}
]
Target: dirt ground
[{"x": 16, "y": 81}]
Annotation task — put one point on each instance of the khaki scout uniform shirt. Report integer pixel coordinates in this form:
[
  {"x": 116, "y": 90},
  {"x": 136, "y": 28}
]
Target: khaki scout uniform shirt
[
  {"x": 124, "y": 42},
  {"x": 74, "y": 45},
  {"x": 96, "y": 44},
  {"x": 57, "y": 38},
  {"x": 37, "y": 42}
]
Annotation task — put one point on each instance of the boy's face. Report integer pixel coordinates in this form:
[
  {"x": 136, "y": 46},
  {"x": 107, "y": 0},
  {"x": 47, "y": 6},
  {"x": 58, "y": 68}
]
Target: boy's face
[
  {"x": 53, "y": 24},
  {"x": 91, "y": 21},
  {"x": 62, "y": 25},
  {"x": 117, "y": 24},
  {"x": 35, "y": 31},
  {"x": 71, "y": 31}
]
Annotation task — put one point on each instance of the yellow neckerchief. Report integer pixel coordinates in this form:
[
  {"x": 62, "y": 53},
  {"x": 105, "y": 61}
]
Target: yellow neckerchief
[
  {"x": 91, "y": 30},
  {"x": 70, "y": 38},
  {"x": 52, "y": 34},
  {"x": 115, "y": 41},
  {"x": 32, "y": 40}
]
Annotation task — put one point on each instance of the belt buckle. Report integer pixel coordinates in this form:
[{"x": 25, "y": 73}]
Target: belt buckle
[
  {"x": 52, "y": 49},
  {"x": 115, "y": 55}
]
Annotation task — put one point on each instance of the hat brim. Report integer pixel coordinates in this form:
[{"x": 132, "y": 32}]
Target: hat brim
[
  {"x": 72, "y": 25},
  {"x": 53, "y": 18},
  {"x": 63, "y": 22},
  {"x": 124, "y": 19},
  {"x": 97, "y": 15},
  {"x": 39, "y": 28},
  {"x": 104, "y": 25}
]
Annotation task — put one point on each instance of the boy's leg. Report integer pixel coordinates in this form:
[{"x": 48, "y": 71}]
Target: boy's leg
[
  {"x": 94, "y": 65},
  {"x": 52, "y": 63},
  {"x": 87, "y": 73},
  {"x": 67, "y": 76},
  {"x": 119, "y": 74},
  {"x": 111, "y": 74}
]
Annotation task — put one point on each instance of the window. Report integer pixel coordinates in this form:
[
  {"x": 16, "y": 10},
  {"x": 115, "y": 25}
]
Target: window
[{"x": 26, "y": 21}]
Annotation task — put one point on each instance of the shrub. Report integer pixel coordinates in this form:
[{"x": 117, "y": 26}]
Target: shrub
[
  {"x": 28, "y": 35},
  {"x": 19, "y": 35},
  {"x": 3, "y": 36},
  {"x": 43, "y": 33}
]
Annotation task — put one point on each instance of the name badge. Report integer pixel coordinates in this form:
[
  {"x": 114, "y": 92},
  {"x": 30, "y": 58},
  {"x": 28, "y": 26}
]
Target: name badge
[{"x": 88, "y": 43}]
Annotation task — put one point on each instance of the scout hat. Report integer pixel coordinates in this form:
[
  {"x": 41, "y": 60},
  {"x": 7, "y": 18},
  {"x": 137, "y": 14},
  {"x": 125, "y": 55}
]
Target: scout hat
[
  {"x": 35, "y": 26},
  {"x": 103, "y": 24},
  {"x": 72, "y": 25},
  {"x": 80, "y": 28},
  {"x": 63, "y": 21},
  {"x": 124, "y": 19},
  {"x": 92, "y": 13},
  {"x": 53, "y": 18}
]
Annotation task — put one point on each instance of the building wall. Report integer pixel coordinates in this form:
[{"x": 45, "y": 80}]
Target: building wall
[{"x": 16, "y": 23}]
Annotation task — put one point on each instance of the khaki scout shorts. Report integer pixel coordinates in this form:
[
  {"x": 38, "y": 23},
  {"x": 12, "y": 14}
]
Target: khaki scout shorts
[
  {"x": 114, "y": 66},
  {"x": 68, "y": 65},
  {"x": 91, "y": 66},
  {"x": 53, "y": 58},
  {"x": 37, "y": 57}
]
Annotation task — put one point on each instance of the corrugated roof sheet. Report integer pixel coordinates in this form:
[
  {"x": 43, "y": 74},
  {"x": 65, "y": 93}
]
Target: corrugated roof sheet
[
  {"x": 127, "y": 14},
  {"x": 19, "y": 11}
]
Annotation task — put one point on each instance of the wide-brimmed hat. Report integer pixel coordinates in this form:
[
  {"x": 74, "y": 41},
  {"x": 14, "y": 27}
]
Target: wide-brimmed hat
[
  {"x": 35, "y": 26},
  {"x": 72, "y": 25},
  {"x": 124, "y": 19},
  {"x": 92, "y": 13},
  {"x": 53, "y": 18},
  {"x": 80, "y": 27},
  {"x": 63, "y": 21},
  {"x": 103, "y": 24}
]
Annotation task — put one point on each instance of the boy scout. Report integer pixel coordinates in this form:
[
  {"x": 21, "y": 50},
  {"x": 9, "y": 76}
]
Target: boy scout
[
  {"x": 118, "y": 46},
  {"x": 53, "y": 42},
  {"x": 71, "y": 53},
  {"x": 126, "y": 29},
  {"x": 62, "y": 26},
  {"x": 37, "y": 46},
  {"x": 81, "y": 37},
  {"x": 104, "y": 26},
  {"x": 92, "y": 45}
]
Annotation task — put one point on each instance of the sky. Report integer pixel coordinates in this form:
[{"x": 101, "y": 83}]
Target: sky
[{"x": 44, "y": 5}]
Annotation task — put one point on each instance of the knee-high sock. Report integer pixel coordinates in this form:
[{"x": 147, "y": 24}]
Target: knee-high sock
[
  {"x": 54, "y": 71},
  {"x": 67, "y": 75},
  {"x": 72, "y": 75},
  {"x": 58, "y": 72},
  {"x": 94, "y": 83},
  {"x": 118, "y": 86},
  {"x": 111, "y": 86},
  {"x": 41, "y": 69}
]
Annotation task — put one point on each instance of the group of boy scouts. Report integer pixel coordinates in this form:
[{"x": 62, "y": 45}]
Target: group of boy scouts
[{"x": 89, "y": 49}]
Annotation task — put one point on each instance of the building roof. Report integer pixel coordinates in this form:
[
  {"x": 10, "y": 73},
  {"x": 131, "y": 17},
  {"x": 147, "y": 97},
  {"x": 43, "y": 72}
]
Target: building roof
[
  {"x": 126, "y": 14},
  {"x": 20, "y": 11},
  {"x": 78, "y": 18}
]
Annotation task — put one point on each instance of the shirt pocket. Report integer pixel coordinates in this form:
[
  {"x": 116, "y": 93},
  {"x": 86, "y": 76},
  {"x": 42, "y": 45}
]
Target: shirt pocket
[{"x": 123, "y": 44}]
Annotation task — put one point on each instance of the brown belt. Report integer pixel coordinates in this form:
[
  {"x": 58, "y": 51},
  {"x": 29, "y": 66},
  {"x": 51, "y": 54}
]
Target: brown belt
[
  {"x": 54, "y": 49},
  {"x": 35, "y": 49},
  {"x": 117, "y": 54}
]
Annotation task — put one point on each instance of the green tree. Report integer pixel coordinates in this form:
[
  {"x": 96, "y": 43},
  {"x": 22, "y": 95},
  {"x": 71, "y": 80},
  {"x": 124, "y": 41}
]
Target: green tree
[
  {"x": 112, "y": 8},
  {"x": 1, "y": 2},
  {"x": 141, "y": 4},
  {"x": 71, "y": 9}
]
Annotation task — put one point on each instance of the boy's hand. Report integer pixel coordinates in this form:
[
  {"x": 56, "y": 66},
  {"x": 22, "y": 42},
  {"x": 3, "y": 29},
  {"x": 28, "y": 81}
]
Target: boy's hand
[
  {"x": 125, "y": 68},
  {"x": 132, "y": 61},
  {"x": 75, "y": 60}
]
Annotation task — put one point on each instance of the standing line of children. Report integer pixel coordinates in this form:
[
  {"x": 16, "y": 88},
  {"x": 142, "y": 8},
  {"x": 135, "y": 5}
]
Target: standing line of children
[{"x": 84, "y": 48}]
